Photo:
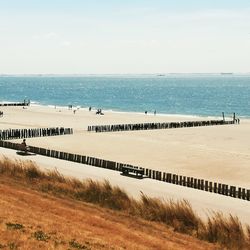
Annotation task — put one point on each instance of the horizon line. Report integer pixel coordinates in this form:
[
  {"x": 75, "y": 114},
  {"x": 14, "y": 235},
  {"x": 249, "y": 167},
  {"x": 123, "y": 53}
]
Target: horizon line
[{"x": 107, "y": 74}]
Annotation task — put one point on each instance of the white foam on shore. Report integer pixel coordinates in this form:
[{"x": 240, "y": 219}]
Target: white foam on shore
[{"x": 150, "y": 114}]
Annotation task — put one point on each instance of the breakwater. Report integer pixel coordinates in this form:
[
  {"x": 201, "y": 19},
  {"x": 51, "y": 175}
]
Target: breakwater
[
  {"x": 150, "y": 126},
  {"x": 33, "y": 132},
  {"x": 15, "y": 104}
]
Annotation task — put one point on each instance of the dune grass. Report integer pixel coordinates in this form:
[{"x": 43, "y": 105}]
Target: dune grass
[{"x": 226, "y": 231}]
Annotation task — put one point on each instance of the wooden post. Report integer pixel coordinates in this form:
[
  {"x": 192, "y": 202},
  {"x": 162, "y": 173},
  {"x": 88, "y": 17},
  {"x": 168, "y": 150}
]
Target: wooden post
[
  {"x": 219, "y": 188},
  {"x": 160, "y": 176},
  {"x": 206, "y": 185},
  {"x": 188, "y": 181},
  {"x": 143, "y": 171},
  {"x": 61, "y": 155},
  {"x": 226, "y": 190},
  {"x": 184, "y": 181},
  {"x": 57, "y": 154},
  {"x": 164, "y": 176},
  {"x": 114, "y": 167},
  {"x": 191, "y": 182},
  {"x": 79, "y": 158},
  {"x": 109, "y": 165},
  {"x": 83, "y": 159},
  {"x": 176, "y": 179},
  {"x": 234, "y": 192},
  {"x": 168, "y": 177},
  {"x": 150, "y": 173},
  {"x": 239, "y": 193},
  {"x": 243, "y": 196},
  {"x": 173, "y": 179},
  {"x": 248, "y": 195},
  {"x": 105, "y": 164},
  {"x": 118, "y": 167},
  {"x": 231, "y": 191},
  {"x": 215, "y": 187},
  {"x": 223, "y": 189},
  {"x": 67, "y": 156},
  {"x": 70, "y": 157},
  {"x": 154, "y": 174},
  {"x": 48, "y": 153},
  {"x": 202, "y": 184},
  {"x": 195, "y": 183},
  {"x": 199, "y": 184},
  {"x": 99, "y": 163},
  {"x": 89, "y": 160},
  {"x": 180, "y": 183}
]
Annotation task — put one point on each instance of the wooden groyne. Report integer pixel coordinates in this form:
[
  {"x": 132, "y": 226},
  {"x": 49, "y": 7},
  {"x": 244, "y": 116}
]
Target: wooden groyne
[
  {"x": 33, "y": 132},
  {"x": 186, "y": 181},
  {"x": 150, "y": 126},
  {"x": 15, "y": 103}
]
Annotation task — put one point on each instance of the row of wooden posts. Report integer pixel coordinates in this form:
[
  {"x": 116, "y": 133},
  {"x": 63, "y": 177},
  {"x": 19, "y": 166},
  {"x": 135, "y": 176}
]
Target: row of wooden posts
[
  {"x": 25, "y": 103},
  {"x": 164, "y": 125},
  {"x": 191, "y": 182},
  {"x": 33, "y": 132}
]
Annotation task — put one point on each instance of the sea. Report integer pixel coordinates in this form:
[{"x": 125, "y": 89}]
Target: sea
[{"x": 175, "y": 94}]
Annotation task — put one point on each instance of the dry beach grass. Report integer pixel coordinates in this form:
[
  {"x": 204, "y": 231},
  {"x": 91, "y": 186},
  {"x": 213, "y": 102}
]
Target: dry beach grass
[{"x": 168, "y": 215}]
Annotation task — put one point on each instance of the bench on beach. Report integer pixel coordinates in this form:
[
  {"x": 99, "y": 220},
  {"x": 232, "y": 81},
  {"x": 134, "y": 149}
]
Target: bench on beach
[{"x": 132, "y": 171}]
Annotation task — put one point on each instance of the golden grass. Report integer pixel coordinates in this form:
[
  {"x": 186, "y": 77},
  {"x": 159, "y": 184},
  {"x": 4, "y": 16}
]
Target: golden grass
[
  {"x": 32, "y": 220},
  {"x": 228, "y": 232}
]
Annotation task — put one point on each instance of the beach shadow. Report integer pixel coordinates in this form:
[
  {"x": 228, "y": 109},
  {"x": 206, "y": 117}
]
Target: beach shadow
[
  {"x": 22, "y": 153},
  {"x": 133, "y": 176}
]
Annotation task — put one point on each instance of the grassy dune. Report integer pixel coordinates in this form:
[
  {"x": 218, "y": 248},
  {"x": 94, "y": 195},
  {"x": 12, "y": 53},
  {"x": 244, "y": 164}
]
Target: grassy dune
[{"x": 168, "y": 215}]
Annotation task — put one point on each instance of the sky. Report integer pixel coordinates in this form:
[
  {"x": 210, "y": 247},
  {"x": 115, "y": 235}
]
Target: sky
[{"x": 124, "y": 37}]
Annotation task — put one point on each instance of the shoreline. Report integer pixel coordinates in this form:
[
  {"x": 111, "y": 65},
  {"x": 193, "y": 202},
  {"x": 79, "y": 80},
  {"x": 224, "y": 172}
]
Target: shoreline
[
  {"x": 168, "y": 115},
  {"x": 108, "y": 110}
]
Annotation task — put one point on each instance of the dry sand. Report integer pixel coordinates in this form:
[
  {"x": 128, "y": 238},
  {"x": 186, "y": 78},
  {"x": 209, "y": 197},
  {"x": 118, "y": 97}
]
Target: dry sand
[{"x": 216, "y": 153}]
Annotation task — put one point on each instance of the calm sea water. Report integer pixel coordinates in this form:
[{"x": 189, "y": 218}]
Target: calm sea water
[{"x": 203, "y": 95}]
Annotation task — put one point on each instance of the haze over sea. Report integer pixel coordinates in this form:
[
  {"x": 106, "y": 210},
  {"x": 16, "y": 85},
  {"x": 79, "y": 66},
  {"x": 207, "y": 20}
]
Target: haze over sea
[{"x": 190, "y": 94}]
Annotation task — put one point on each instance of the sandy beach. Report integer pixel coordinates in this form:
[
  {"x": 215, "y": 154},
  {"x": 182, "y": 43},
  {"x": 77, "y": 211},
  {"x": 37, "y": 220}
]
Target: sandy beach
[{"x": 216, "y": 153}]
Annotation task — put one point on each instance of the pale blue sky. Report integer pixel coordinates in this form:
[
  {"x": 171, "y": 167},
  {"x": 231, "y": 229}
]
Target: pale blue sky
[{"x": 117, "y": 37}]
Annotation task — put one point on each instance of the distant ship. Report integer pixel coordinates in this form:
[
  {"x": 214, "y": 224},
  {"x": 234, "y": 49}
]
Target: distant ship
[
  {"x": 160, "y": 75},
  {"x": 226, "y": 73}
]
